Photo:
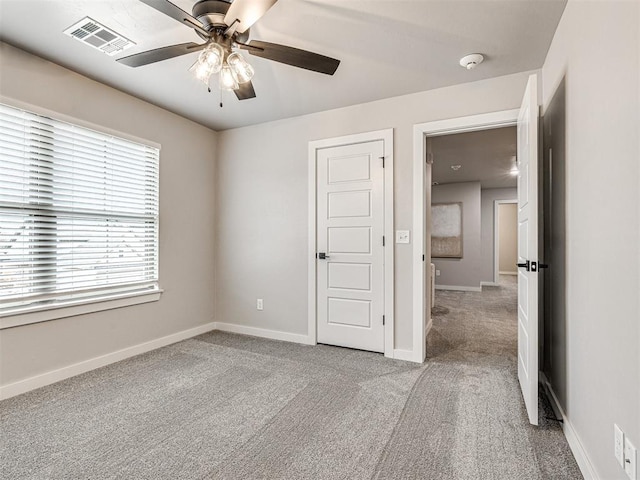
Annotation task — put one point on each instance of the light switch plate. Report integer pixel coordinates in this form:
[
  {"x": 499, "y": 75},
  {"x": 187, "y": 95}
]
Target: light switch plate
[
  {"x": 403, "y": 236},
  {"x": 618, "y": 444},
  {"x": 630, "y": 462}
]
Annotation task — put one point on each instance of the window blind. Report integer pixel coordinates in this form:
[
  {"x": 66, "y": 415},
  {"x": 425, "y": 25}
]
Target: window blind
[{"x": 78, "y": 212}]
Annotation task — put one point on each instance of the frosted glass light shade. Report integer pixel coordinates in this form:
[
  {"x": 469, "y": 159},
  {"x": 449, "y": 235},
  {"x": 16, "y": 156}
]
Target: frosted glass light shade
[
  {"x": 244, "y": 72},
  {"x": 228, "y": 79},
  {"x": 212, "y": 56},
  {"x": 202, "y": 71}
]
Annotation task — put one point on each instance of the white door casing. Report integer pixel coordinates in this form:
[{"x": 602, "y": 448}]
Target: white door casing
[
  {"x": 350, "y": 230},
  {"x": 528, "y": 249},
  {"x": 315, "y": 149},
  {"x": 422, "y": 203}
]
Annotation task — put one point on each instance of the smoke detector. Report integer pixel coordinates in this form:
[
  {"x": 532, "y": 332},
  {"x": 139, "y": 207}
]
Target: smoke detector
[{"x": 471, "y": 61}]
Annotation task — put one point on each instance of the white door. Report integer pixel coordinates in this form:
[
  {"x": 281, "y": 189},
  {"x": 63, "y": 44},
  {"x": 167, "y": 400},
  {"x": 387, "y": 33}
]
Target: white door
[
  {"x": 528, "y": 249},
  {"x": 350, "y": 258}
]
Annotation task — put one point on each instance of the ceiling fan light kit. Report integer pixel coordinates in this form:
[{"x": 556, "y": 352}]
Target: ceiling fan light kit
[
  {"x": 228, "y": 80},
  {"x": 240, "y": 68},
  {"x": 212, "y": 57},
  {"x": 225, "y": 26},
  {"x": 209, "y": 62}
]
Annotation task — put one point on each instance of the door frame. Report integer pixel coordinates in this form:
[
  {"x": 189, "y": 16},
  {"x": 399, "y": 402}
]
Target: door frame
[
  {"x": 421, "y": 229},
  {"x": 496, "y": 236},
  {"x": 386, "y": 136}
]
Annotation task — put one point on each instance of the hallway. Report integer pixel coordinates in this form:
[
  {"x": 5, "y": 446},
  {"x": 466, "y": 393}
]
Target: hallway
[
  {"x": 475, "y": 322},
  {"x": 472, "y": 350}
]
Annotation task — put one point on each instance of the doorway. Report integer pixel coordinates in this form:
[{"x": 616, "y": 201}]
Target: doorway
[
  {"x": 527, "y": 120},
  {"x": 350, "y": 259},
  {"x": 505, "y": 238},
  {"x": 470, "y": 172},
  {"x": 422, "y": 174}
]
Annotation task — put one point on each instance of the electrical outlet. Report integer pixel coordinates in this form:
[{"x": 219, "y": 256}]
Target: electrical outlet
[
  {"x": 259, "y": 304},
  {"x": 618, "y": 445},
  {"x": 437, "y": 273},
  {"x": 630, "y": 459}
]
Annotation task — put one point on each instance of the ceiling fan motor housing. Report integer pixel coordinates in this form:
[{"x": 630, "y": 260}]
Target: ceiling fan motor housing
[{"x": 211, "y": 13}]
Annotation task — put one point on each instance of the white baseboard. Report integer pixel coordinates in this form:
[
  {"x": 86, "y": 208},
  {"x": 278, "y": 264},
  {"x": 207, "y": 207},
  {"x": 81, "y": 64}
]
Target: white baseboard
[
  {"x": 508, "y": 273},
  {"x": 460, "y": 288},
  {"x": 44, "y": 379},
  {"x": 429, "y": 325},
  {"x": 489, "y": 284},
  {"x": 580, "y": 454},
  {"x": 263, "y": 332},
  {"x": 406, "y": 355}
]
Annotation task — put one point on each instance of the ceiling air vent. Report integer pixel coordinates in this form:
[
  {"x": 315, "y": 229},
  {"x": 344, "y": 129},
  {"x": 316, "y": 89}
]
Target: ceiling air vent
[{"x": 98, "y": 36}]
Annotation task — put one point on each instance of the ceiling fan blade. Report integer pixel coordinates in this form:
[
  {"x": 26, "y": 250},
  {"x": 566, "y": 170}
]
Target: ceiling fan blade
[
  {"x": 160, "y": 54},
  {"x": 245, "y": 91},
  {"x": 247, "y": 12},
  {"x": 175, "y": 12},
  {"x": 293, "y": 56}
]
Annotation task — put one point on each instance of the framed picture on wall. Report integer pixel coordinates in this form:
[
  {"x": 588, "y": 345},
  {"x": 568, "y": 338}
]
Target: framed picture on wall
[{"x": 446, "y": 230}]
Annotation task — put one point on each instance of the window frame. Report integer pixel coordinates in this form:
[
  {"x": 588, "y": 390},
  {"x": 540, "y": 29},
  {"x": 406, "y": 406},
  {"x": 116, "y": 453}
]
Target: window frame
[{"x": 29, "y": 314}]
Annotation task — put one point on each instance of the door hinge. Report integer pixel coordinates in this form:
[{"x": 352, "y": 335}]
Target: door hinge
[
  {"x": 383, "y": 240},
  {"x": 382, "y": 161},
  {"x": 382, "y": 319},
  {"x": 423, "y": 258}
]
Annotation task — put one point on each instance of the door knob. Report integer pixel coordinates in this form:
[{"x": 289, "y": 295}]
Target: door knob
[
  {"x": 525, "y": 265},
  {"x": 323, "y": 256}
]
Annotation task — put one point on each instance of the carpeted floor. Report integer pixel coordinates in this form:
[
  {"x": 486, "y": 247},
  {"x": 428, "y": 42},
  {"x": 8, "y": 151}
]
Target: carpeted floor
[{"x": 226, "y": 406}]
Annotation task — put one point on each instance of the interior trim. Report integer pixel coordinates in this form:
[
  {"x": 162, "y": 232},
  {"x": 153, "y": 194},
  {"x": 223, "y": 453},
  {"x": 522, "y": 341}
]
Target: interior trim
[
  {"x": 406, "y": 355},
  {"x": 263, "y": 333},
  {"x": 53, "y": 376},
  {"x": 580, "y": 454},
  {"x": 421, "y": 248},
  {"x": 496, "y": 239},
  {"x": 389, "y": 290},
  {"x": 71, "y": 308},
  {"x": 459, "y": 288}
]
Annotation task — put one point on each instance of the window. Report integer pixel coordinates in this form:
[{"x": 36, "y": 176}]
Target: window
[{"x": 78, "y": 213}]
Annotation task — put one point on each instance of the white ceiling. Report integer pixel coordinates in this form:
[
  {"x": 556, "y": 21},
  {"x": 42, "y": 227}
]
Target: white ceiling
[
  {"x": 387, "y": 48},
  {"x": 486, "y": 156}
]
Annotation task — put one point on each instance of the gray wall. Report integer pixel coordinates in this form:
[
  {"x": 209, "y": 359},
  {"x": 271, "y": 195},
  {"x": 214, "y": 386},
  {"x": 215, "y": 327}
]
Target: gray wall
[
  {"x": 487, "y": 248},
  {"x": 465, "y": 271},
  {"x": 507, "y": 237},
  {"x": 596, "y": 49},
  {"x": 262, "y": 190},
  {"x": 186, "y": 221}
]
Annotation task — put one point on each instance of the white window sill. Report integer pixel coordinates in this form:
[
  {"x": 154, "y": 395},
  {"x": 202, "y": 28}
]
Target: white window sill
[{"x": 43, "y": 313}]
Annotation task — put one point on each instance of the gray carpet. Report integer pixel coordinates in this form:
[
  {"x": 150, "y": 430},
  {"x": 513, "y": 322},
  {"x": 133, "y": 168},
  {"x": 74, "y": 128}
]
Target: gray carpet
[{"x": 227, "y": 406}]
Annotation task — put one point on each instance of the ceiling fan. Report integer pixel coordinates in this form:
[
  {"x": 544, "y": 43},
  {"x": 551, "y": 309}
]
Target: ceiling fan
[{"x": 224, "y": 25}]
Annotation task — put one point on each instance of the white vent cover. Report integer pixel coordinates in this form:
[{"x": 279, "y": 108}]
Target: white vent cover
[{"x": 98, "y": 36}]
